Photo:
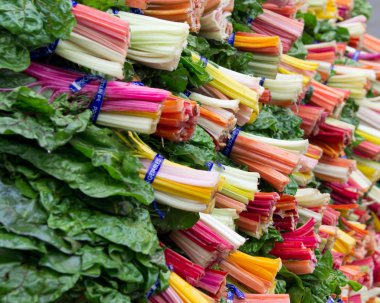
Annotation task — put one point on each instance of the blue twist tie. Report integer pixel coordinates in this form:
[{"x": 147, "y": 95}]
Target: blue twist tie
[
  {"x": 249, "y": 21},
  {"x": 153, "y": 169},
  {"x": 231, "y": 141},
  {"x": 187, "y": 93},
  {"x": 339, "y": 301},
  {"x": 138, "y": 83},
  {"x": 153, "y": 288},
  {"x": 356, "y": 55},
  {"x": 151, "y": 174},
  {"x": 74, "y": 3},
  {"x": 330, "y": 300},
  {"x": 231, "y": 39},
  {"x": 97, "y": 102},
  {"x": 136, "y": 11},
  {"x": 332, "y": 67},
  {"x": 204, "y": 60},
  {"x": 209, "y": 165},
  {"x": 115, "y": 11},
  {"x": 171, "y": 268},
  {"x": 44, "y": 51},
  {"x": 232, "y": 292},
  {"x": 262, "y": 81}
]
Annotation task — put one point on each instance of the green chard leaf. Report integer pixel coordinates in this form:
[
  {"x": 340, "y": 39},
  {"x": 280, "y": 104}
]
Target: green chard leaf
[
  {"x": 26, "y": 25},
  {"x": 28, "y": 114},
  {"x": 362, "y": 7}
]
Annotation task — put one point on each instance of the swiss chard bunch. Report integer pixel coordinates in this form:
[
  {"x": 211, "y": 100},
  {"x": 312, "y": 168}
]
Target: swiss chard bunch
[
  {"x": 29, "y": 24},
  {"x": 244, "y": 10}
]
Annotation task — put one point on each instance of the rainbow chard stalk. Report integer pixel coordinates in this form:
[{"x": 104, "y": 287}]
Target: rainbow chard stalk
[
  {"x": 169, "y": 295},
  {"x": 258, "y": 216},
  {"x": 297, "y": 249},
  {"x": 215, "y": 24},
  {"x": 125, "y": 105},
  {"x": 270, "y": 23},
  {"x": 98, "y": 41},
  {"x": 213, "y": 283},
  {"x": 175, "y": 185},
  {"x": 183, "y": 267},
  {"x": 285, "y": 216},
  {"x": 155, "y": 42},
  {"x": 201, "y": 244}
]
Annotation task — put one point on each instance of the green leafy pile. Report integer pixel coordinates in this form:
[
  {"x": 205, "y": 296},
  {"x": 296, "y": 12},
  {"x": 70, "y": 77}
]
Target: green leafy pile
[
  {"x": 263, "y": 245},
  {"x": 362, "y": 7},
  {"x": 321, "y": 31},
  {"x": 73, "y": 220},
  {"x": 315, "y": 287},
  {"x": 276, "y": 122},
  {"x": 26, "y": 25}
]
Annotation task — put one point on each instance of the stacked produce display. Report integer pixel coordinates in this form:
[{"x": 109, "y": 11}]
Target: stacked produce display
[{"x": 189, "y": 151}]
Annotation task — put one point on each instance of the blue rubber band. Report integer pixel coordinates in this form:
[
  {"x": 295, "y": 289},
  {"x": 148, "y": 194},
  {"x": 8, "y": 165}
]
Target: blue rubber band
[
  {"x": 153, "y": 288},
  {"x": 115, "y": 11},
  {"x": 97, "y": 102},
  {"x": 138, "y": 83},
  {"x": 187, "y": 93},
  {"x": 232, "y": 292},
  {"x": 153, "y": 169},
  {"x": 209, "y": 165},
  {"x": 330, "y": 300},
  {"x": 44, "y": 51},
  {"x": 74, "y": 3},
  {"x": 136, "y": 11},
  {"x": 249, "y": 21},
  {"x": 231, "y": 39},
  {"x": 262, "y": 81},
  {"x": 356, "y": 55},
  {"x": 231, "y": 141},
  {"x": 204, "y": 60},
  {"x": 151, "y": 174}
]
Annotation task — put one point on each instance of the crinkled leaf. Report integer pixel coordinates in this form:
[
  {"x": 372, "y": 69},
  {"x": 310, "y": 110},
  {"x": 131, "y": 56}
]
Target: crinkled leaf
[
  {"x": 13, "y": 55},
  {"x": 96, "y": 293},
  {"x": 73, "y": 168},
  {"x": 30, "y": 115},
  {"x": 25, "y": 217},
  {"x": 13, "y": 241},
  {"x": 298, "y": 50},
  {"x": 362, "y": 7},
  {"x": 172, "y": 221},
  {"x": 263, "y": 245},
  {"x": 276, "y": 122},
  {"x": 29, "y": 284}
]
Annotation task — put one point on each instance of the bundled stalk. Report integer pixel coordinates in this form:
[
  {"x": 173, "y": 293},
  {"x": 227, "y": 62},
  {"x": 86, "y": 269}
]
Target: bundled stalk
[
  {"x": 371, "y": 44},
  {"x": 334, "y": 169},
  {"x": 273, "y": 24},
  {"x": 227, "y": 85},
  {"x": 189, "y": 11},
  {"x": 265, "y": 298},
  {"x": 330, "y": 99},
  {"x": 285, "y": 216},
  {"x": 289, "y": 10},
  {"x": 238, "y": 185},
  {"x": 185, "y": 291},
  {"x": 266, "y": 49},
  {"x": 312, "y": 117},
  {"x": 217, "y": 117},
  {"x": 255, "y": 273},
  {"x": 98, "y": 41},
  {"x": 297, "y": 250},
  {"x": 259, "y": 214},
  {"x": 285, "y": 89},
  {"x": 214, "y": 22},
  {"x": 154, "y": 42},
  {"x": 202, "y": 245},
  {"x": 175, "y": 185},
  {"x": 311, "y": 203},
  {"x": 273, "y": 159},
  {"x": 169, "y": 295},
  {"x": 179, "y": 118},
  {"x": 344, "y": 243},
  {"x": 125, "y": 105},
  {"x": 298, "y": 66},
  {"x": 227, "y": 216},
  {"x": 325, "y": 52},
  {"x": 368, "y": 150},
  {"x": 333, "y": 136},
  {"x": 369, "y": 112},
  {"x": 356, "y": 27}
]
